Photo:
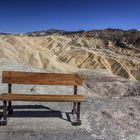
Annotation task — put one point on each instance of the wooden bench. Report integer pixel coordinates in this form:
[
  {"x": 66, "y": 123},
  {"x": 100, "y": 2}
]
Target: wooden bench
[{"x": 15, "y": 77}]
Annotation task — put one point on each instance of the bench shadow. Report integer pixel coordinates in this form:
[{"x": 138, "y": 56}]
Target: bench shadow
[{"x": 37, "y": 112}]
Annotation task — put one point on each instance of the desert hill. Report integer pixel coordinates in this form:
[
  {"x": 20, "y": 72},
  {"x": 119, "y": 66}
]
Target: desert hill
[{"x": 58, "y": 50}]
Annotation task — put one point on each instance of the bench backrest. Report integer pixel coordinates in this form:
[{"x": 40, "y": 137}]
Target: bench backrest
[{"x": 34, "y": 78}]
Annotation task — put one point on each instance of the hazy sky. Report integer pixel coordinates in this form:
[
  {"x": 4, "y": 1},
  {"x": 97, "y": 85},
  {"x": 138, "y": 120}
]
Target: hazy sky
[{"x": 32, "y": 15}]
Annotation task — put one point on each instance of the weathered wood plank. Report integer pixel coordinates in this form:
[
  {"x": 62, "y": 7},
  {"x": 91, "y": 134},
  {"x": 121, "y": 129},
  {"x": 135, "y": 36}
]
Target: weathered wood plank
[
  {"x": 16, "y": 77},
  {"x": 39, "y": 97}
]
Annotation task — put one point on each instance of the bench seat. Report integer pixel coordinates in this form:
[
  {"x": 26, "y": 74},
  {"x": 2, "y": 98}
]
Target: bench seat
[{"x": 40, "y": 97}]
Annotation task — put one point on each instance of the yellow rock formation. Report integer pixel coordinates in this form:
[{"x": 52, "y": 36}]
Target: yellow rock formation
[{"x": 68, "y": 54}]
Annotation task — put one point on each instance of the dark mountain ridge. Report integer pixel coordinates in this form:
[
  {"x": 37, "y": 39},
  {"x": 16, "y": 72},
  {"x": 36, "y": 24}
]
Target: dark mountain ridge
[
  {"x": 117, "y": 36},
  {"x": 5, "y": 33}
]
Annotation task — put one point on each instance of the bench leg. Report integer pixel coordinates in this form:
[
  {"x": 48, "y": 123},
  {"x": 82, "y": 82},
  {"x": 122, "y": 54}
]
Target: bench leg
[
  {"x": 10, "y": 109},
  {"x": 78, "y": 121},
  {"x": 74, "y": 108},
  {"x": 4, "y": 121},
  {"x": 78, "y": 114}
]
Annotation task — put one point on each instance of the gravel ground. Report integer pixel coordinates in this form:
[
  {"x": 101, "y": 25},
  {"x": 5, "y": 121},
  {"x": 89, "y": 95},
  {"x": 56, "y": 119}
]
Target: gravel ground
[{"x": 110, "y": 113}]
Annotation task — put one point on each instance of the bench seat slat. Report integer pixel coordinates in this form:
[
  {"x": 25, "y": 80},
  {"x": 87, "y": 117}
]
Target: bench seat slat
[{"x": 39, "y": 97}]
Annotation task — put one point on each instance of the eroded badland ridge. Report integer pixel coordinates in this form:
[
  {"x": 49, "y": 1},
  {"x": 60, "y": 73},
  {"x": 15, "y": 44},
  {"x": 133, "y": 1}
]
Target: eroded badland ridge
[{"x": 58, "y": 50}]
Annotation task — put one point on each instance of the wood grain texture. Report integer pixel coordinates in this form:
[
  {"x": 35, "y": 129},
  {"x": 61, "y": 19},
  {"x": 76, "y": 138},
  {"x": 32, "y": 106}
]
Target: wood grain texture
[
  {"x": 39, "y": 97},
  {"x": 16, "y": 77}
]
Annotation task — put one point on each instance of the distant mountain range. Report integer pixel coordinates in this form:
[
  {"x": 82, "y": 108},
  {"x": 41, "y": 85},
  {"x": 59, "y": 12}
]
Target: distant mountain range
[
  {"x": 5, "y": 33},
  {"x": 118, "y": 36}
]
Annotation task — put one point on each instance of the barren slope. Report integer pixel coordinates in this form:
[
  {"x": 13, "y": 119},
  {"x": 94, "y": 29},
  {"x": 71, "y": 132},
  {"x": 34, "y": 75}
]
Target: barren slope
[
  {"x": 112, "y": 110},
  {"x": 67, "y": 54}
]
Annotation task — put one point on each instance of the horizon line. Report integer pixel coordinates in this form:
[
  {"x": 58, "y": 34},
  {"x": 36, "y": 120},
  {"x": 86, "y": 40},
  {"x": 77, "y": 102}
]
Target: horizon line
[{"x": 65, "y": 30}]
